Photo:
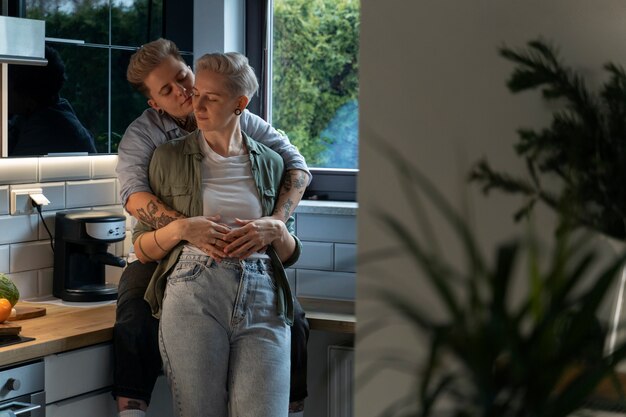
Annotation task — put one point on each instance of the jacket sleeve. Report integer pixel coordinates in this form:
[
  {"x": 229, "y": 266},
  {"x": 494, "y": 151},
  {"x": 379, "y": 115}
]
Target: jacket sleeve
[
  {"x": 133, "y": 159},
  {"x": 261, "y": 131},
  {"x": 298, "y": 250},
  {"x": 155, "y": 175}
]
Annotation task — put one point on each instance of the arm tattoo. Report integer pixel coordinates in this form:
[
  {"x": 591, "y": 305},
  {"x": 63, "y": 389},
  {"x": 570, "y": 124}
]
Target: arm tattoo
[
  {"x": 296, "y": 179},
  {"x": 286, "y": 209},
  {"x": 151, "y": 216},
  {"x": 292, "y": 180}
]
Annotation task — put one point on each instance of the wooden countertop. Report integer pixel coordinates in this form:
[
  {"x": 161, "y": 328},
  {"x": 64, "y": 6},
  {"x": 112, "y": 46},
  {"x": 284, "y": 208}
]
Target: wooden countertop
[
  {"x": 335, "y": 316},
  {"x": 65, "y": 328},
  {"x": 61, "y": 329}
]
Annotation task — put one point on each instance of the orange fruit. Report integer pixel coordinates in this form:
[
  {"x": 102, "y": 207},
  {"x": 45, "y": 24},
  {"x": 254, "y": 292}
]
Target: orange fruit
[{"x": 5, "y": 309}]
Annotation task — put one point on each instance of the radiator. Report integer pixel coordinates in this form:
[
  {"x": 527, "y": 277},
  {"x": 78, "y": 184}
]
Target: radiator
[{"x": 340, "y": 381}]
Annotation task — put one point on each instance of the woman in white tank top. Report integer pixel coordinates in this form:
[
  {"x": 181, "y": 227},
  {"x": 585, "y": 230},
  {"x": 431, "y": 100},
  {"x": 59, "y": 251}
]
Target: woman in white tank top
[{"x": 225, "y": 317}]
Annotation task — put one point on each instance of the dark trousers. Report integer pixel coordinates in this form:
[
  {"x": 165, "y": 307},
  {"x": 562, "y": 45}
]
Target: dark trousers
[{"x": 135, "y": 340}]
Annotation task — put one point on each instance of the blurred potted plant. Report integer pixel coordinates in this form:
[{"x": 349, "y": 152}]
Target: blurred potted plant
[
  {"x": 582, "y": 153},
  {"x": 542, "y": 356},
  {"x": 584, "y": 148}
]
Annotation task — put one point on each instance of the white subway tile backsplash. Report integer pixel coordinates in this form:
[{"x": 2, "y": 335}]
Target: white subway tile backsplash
[
  {"x": 27, "y": 284},
  {"x": 62, "y": 168},
  {"x": 49, "y": 218},
  {"x": 316, "y": 255},
  {"x": 118, "y": 187},
  {"x": 18, "y": 228},
  {"x": 4, "y": 259},
  {"x": 29, "y": 256},
  {"x": 4, "y": 200},
  {"x": 90, "y": 193},
  {"x": 25, "y": 252},
  {"x": 18, "y": 170},
  {"x": 103, "y": 166},
  {"x": 327, "y": 228},
  {"x": 54, "y": 191},
  {"x": 324, "y": 284},
  {"x": 45, "y": 282},
  {"x": 345, "y": 257},
  {"x": 325, "y": 270}
]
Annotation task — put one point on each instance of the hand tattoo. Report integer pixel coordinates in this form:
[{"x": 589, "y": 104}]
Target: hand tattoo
[{"x": 151, "y": 217}]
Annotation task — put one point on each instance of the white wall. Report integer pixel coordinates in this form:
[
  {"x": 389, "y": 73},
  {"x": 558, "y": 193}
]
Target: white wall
[
  {"x": 218, "y": 26},
  {"x": 433, "y": 86}
]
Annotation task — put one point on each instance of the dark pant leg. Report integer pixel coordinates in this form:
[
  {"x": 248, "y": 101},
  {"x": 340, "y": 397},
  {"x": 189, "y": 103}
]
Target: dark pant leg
[
  {"x": 135, "y": 336},
  {"x": 299, "y": 339}
]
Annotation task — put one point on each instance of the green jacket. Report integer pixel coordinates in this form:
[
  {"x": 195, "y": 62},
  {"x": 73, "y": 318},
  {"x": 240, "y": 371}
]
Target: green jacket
[{"x": 176, "y": 178}]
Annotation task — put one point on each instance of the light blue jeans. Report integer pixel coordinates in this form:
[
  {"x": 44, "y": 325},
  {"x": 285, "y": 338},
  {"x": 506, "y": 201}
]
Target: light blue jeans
[{"x": 225, "y": 349}]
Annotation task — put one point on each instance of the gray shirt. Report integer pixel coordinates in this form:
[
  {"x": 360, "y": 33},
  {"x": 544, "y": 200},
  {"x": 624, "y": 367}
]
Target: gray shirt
[{"x": 152, "y": 129}]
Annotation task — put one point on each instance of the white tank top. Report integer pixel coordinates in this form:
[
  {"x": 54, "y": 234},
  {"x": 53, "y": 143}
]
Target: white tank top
[{"x": 228, "y": 189}]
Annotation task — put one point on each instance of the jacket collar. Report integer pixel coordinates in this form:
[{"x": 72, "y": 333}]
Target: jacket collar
[{"x": 169, "y": 125}]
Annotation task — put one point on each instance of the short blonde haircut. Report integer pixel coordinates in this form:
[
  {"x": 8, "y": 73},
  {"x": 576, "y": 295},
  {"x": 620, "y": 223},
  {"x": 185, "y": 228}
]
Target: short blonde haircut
[
  {"x": 146, "y": 59},
  {"x": 240, "y": 78}
]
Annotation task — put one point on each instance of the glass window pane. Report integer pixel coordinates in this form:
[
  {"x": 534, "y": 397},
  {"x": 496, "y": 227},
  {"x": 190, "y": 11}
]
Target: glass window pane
[
  {"x": 135, "y": 22},
  {"x": 126, "y": 103},
  {"x": 68, "y": 19},
  {"x": 315, "y": 78},
  {"x": 87, "y": 88}
]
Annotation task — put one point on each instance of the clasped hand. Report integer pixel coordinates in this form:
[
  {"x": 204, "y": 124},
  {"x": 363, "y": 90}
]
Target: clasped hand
[{"x": 221, "y": 241}]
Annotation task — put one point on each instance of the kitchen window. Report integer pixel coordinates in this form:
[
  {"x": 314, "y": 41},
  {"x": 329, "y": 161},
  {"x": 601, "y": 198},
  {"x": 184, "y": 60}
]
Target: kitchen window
[
  {"x": 307, "y": 53},
  {"x": 95, "y": 39}
]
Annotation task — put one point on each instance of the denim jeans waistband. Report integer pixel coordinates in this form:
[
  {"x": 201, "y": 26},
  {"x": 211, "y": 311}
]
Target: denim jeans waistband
[{"x": 230, "y": 263}]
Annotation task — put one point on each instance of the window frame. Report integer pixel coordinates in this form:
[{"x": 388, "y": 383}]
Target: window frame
[
  {"x": 336, "y": 184},
  {"x": 175, "y": 26}
]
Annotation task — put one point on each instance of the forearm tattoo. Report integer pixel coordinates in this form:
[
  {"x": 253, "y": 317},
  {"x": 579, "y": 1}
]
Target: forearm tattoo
[
  {"x": 295, "y": 179},
  {"x": 286, "y": 209},
  {"x": 155, "y": 219}
]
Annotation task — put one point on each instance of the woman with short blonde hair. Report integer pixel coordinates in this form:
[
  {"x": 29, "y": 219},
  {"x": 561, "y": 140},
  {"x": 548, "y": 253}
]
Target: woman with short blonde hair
[{"x": 224, "y": 325}]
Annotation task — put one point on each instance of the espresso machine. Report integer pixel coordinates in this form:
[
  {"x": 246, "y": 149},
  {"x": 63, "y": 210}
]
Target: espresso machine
[{"x": 81, "y": 240}]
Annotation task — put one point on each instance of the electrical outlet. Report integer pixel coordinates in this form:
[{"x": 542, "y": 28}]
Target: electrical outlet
[{"x": 20, "y": 201}]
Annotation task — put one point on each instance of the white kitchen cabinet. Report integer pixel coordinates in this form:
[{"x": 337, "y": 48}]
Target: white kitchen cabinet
[
  {"x": 78, "y": 372},
  {"x": 78, "y": 382},
  {"x": 93, "y": 404}
]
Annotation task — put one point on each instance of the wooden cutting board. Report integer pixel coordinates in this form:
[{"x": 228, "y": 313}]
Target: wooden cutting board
[
  {"x": 24, "y": 313},
  {"x": 7, "y": 328}
]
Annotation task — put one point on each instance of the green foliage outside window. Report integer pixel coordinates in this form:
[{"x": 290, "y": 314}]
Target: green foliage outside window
[{"x": 315, "y": 78}]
